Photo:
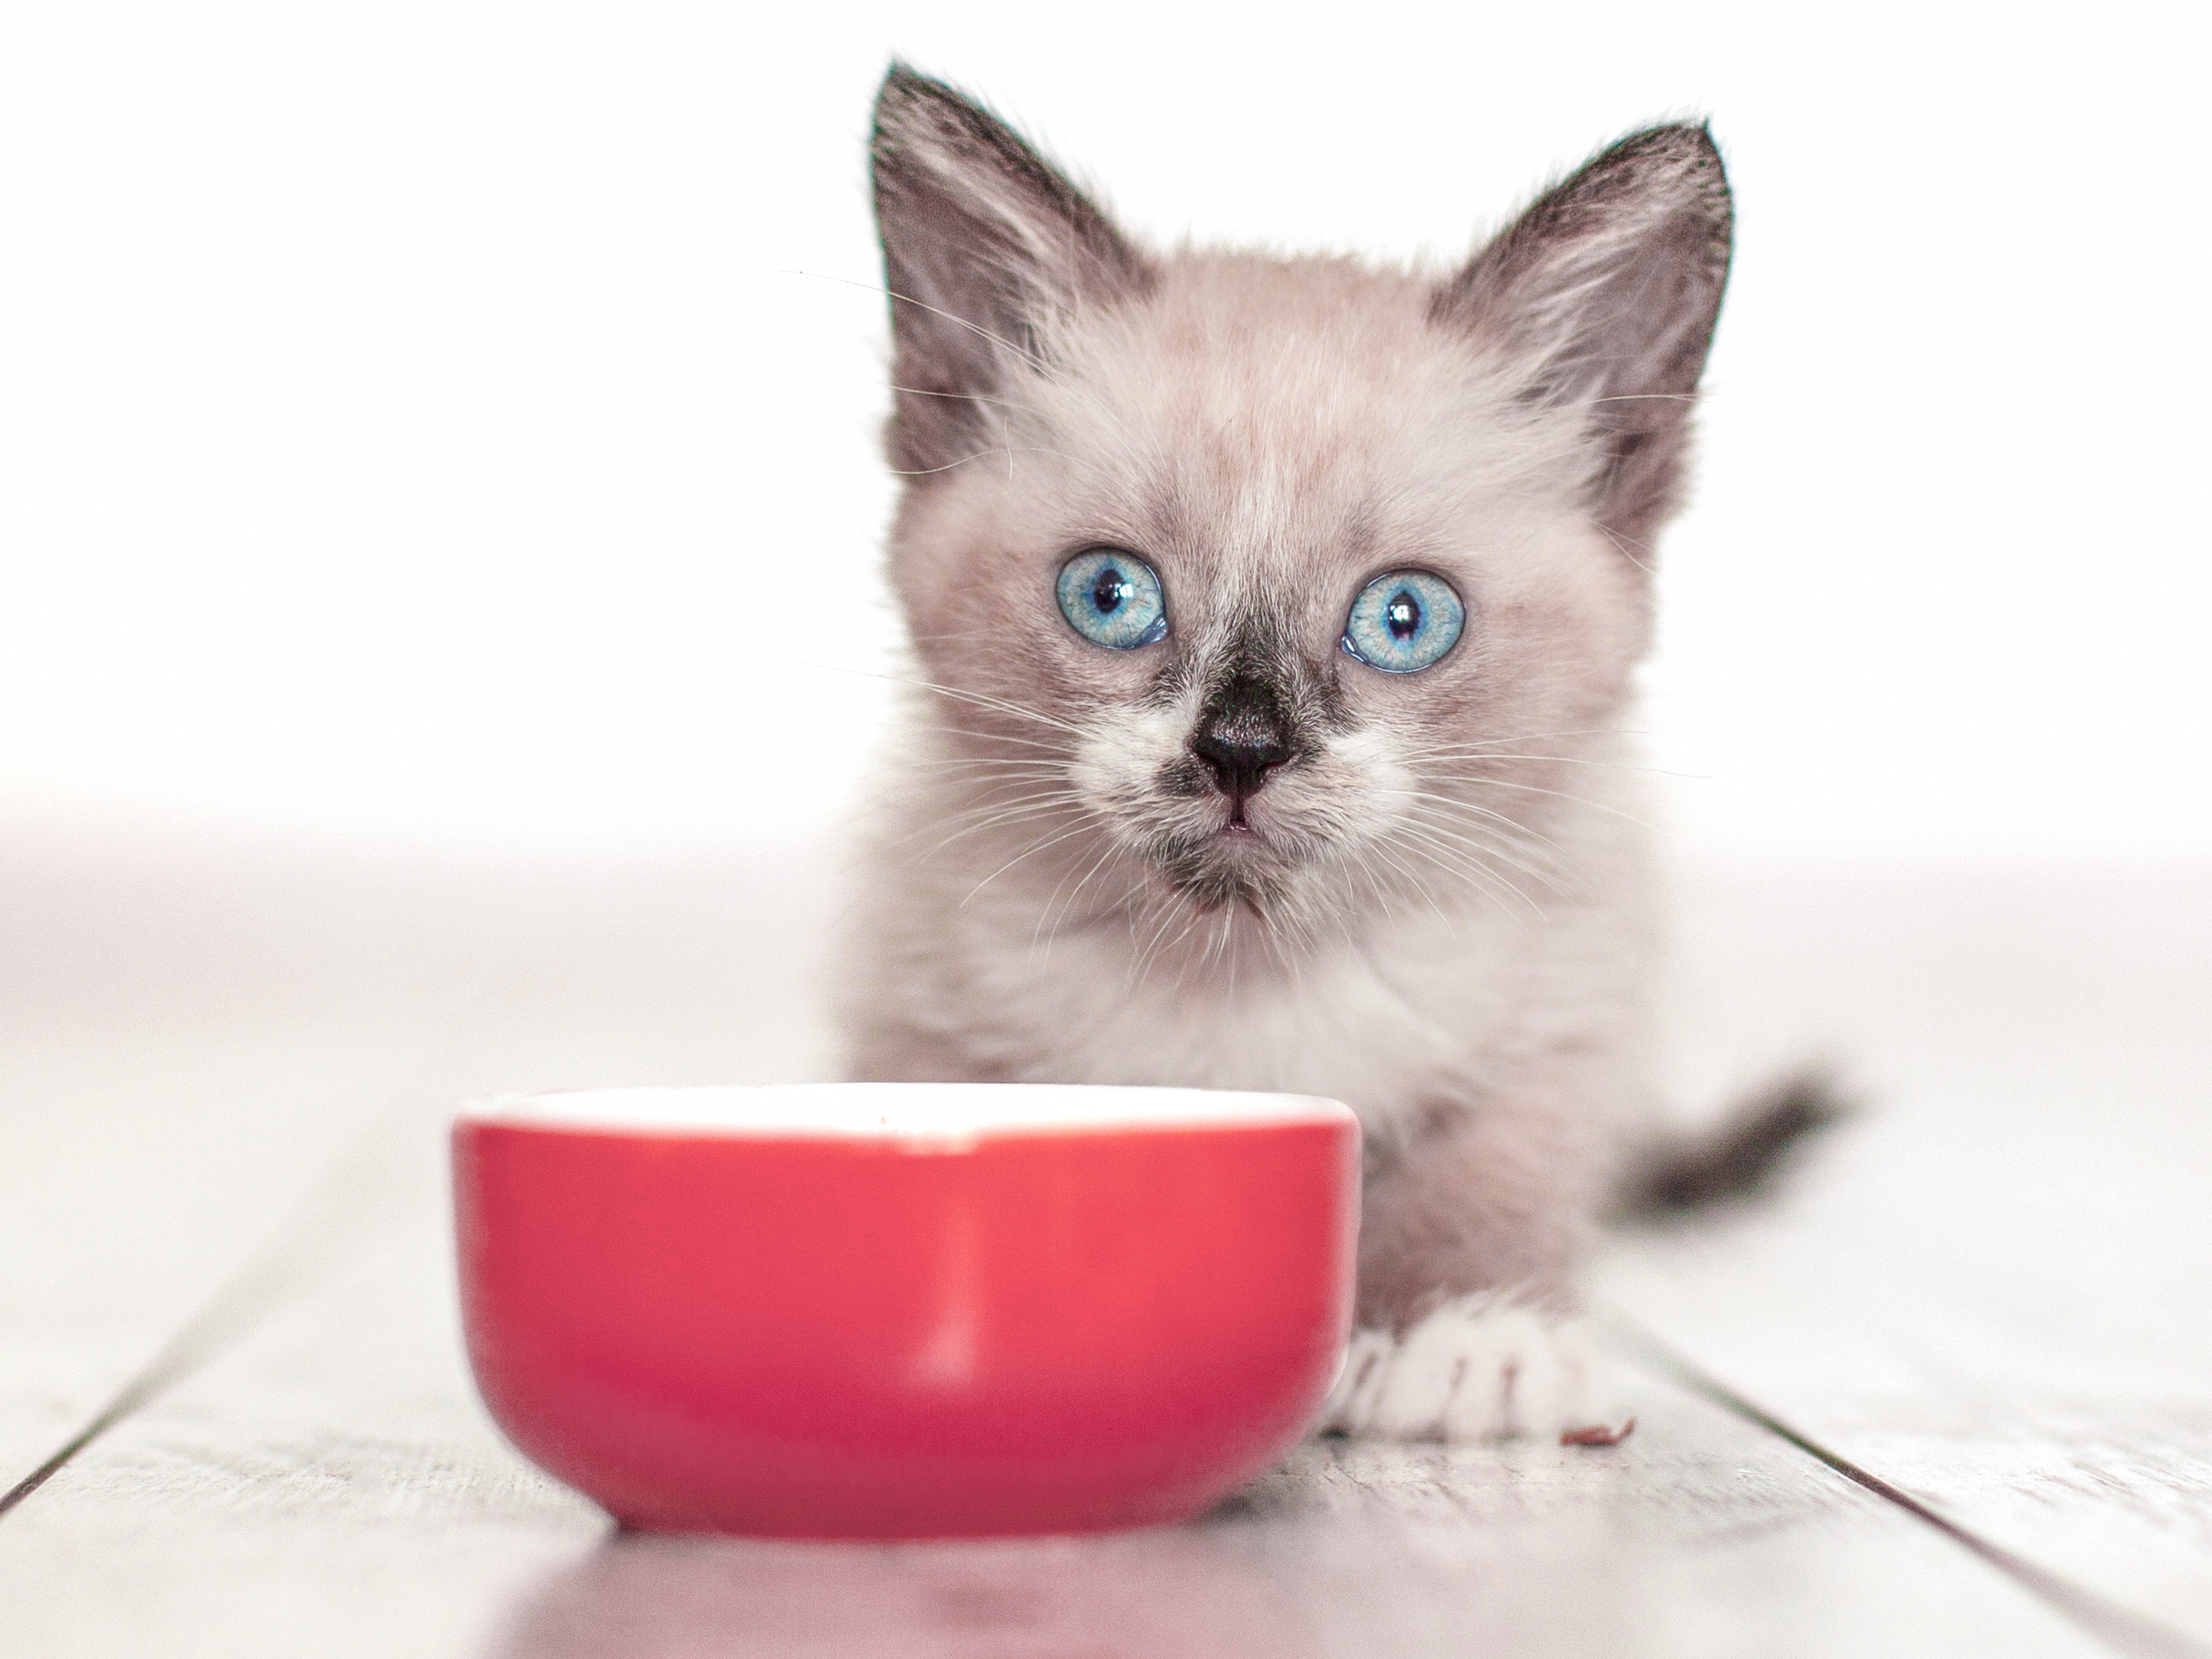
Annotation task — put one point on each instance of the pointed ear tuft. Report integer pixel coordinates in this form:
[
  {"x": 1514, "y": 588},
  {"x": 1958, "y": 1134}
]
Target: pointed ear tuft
[
  {"x": 1606, "y": 290},
  {"x": 984, "y": 240}
]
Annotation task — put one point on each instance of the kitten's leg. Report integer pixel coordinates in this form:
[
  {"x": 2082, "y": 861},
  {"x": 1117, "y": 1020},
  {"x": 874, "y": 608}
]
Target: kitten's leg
[{"x": 1467, "y": 1330}]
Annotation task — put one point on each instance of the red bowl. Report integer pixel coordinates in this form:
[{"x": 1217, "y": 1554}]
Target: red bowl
[{"x": 905, "y": 1310}]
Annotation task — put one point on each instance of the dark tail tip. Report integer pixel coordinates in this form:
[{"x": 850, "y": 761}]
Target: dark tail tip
[{"x": 1742, "y": 1158}]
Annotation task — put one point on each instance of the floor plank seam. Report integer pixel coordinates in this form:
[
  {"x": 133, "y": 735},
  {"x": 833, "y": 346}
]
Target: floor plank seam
[
  {"x": 2129, "y": 1631},
  {"x": 286, "y": 1263}
]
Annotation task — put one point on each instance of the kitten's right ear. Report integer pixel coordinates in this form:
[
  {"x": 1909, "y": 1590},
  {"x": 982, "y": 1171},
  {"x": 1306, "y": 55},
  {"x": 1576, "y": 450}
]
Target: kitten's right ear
[
  {"x": 983, "y": 240},
  {"x": 1606, "y": 290}
]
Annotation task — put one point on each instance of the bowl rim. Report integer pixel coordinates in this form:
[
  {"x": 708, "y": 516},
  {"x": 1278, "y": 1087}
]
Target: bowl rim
[{"x": 934, "y": 1113}]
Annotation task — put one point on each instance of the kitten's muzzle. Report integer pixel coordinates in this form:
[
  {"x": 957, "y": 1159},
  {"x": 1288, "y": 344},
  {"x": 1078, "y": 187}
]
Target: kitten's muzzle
[{"x": 1243, "y": 734}]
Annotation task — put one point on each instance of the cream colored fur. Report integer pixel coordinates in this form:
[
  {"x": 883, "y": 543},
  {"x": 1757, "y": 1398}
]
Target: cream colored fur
[{"x": 1445, "y": 914}]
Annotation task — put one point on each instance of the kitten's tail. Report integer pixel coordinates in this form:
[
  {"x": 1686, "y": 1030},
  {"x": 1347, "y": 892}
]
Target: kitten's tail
[{"x": 1738, "y": 1158}]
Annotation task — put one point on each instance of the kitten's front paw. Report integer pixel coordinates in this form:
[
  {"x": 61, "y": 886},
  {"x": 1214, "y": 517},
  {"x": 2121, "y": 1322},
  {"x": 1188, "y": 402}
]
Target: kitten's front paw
[{"x": 1479, "y": 1368}]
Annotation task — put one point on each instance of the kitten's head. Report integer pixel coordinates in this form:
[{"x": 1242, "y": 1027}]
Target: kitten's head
[{"x": 1285, "y": 586}]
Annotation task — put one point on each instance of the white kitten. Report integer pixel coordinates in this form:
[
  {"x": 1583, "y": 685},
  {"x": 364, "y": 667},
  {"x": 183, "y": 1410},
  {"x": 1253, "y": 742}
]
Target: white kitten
[{"x": 1275, "y": 622}]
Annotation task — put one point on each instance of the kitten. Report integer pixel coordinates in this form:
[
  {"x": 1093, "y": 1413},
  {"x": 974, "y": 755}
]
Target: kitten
[{"x": 1276, "y": 621}]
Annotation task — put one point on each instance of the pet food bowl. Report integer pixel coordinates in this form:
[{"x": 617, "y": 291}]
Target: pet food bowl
[{"x": 905, "y": 1310}]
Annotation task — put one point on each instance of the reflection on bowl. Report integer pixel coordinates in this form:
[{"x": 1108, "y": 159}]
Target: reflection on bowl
[{"x": 905, "y": 1310}]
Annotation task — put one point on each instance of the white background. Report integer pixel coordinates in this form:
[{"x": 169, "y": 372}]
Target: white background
[{"x": 413, "y": 431}]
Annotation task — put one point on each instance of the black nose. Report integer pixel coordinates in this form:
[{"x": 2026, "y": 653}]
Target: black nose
[{"x": 1244, "y": 734}]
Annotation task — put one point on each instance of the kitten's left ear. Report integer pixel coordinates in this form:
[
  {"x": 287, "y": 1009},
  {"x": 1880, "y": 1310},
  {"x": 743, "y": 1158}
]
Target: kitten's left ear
[
  {"x": 1606, "y": 292},
  {"x": 983, "y": 242}
]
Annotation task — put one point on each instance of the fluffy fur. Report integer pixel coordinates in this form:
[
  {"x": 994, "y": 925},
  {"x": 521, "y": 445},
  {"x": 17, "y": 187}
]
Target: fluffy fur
[{"x": 1432, "y": 899}]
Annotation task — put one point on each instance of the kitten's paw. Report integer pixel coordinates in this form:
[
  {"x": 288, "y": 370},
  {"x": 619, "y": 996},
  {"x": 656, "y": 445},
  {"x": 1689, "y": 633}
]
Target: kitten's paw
[{"x": 1479, "y": 1368}]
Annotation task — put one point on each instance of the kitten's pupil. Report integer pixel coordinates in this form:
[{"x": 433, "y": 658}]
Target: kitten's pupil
[
  {"x": 1109, "y": 590},
  {"x": 1403, "y": 614}
]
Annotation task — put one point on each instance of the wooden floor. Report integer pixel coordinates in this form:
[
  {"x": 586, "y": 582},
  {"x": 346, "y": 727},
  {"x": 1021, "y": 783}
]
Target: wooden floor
[{"x": 1953, "y": 1395}]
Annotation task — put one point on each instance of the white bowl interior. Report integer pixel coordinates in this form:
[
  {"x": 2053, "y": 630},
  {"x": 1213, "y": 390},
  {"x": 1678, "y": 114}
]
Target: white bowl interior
[{"x": 935, "y": 1112}]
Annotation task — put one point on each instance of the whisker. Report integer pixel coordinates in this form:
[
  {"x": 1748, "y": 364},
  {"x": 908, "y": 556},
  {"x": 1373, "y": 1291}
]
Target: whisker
[
  {"x": 1564, "y": 760},
  {"x": 1485, "y": 745},
  {"x": 1479, "y": 810},
  {"x": 1022, "y": 766},
  {"x": 1561, "y": 794},
  {"x": 1033, "y": 848},
  {"x": 1508, "y": 835},
  {"x": 1008, "y": 450},
  {"x": 1116, "y": 427},
  {"x": 1620, "y": 543},
  {"x": 1012, "y": 815},
  {"x": 1141, "y": 966},
  {"x": 1035, "y": 362},
  {"x": 1483, "y": 854},
  {"x": 1096, "y": 864},
  {"x": 1039, "y": 800},
  {"x": 1413, "y": 879},
  {"x": 982, "y": 700},
  {"x": 1020, "y": 805},
  {"x": 1485, "y": 880},
  {"x": 966, "y": 398},
  {"x": 1061, "y": 752}
]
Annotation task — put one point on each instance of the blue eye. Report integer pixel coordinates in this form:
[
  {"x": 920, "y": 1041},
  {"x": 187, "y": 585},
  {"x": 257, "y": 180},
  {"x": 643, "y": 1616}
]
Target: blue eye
[
  {"x": 1113, "y": 598},
  {"x": 1403, "y": 621}
]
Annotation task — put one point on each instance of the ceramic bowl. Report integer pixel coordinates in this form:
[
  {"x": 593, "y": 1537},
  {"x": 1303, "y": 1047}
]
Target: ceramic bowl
[{"x": 905, "y": 1310}]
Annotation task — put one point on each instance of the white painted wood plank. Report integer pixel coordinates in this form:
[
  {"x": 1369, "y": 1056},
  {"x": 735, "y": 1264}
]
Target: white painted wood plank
[
  {"x": 144, "y": 1167},
  {"x": 331, "y": 1483},
  {"x": 332, "y": 1467},
  {"x": 190, "y": 1038},
  {"x": 1997, "y": 1289}
]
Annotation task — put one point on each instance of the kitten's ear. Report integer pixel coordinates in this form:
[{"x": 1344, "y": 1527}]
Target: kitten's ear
[
  {"x": 984, "y": 240},
  {"x": 1606, "y": 290}
]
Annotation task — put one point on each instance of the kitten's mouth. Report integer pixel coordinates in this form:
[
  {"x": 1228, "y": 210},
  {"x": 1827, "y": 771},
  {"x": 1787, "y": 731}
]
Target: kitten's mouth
[
  {"x": 1234, "y": 863},
  {"x": 1239, "y": 840}
]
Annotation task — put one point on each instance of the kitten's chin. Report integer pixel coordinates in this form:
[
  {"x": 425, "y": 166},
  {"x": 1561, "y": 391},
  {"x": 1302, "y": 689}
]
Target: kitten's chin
[
  {"x": 1223, "y": 891},
  {"x": 1234, "y": 865}
]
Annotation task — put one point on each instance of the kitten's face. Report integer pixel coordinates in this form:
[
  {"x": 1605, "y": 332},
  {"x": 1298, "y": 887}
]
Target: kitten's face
[
  {"x": 1269, "y": 440},
  {"x": 1273, "y": 455}
]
